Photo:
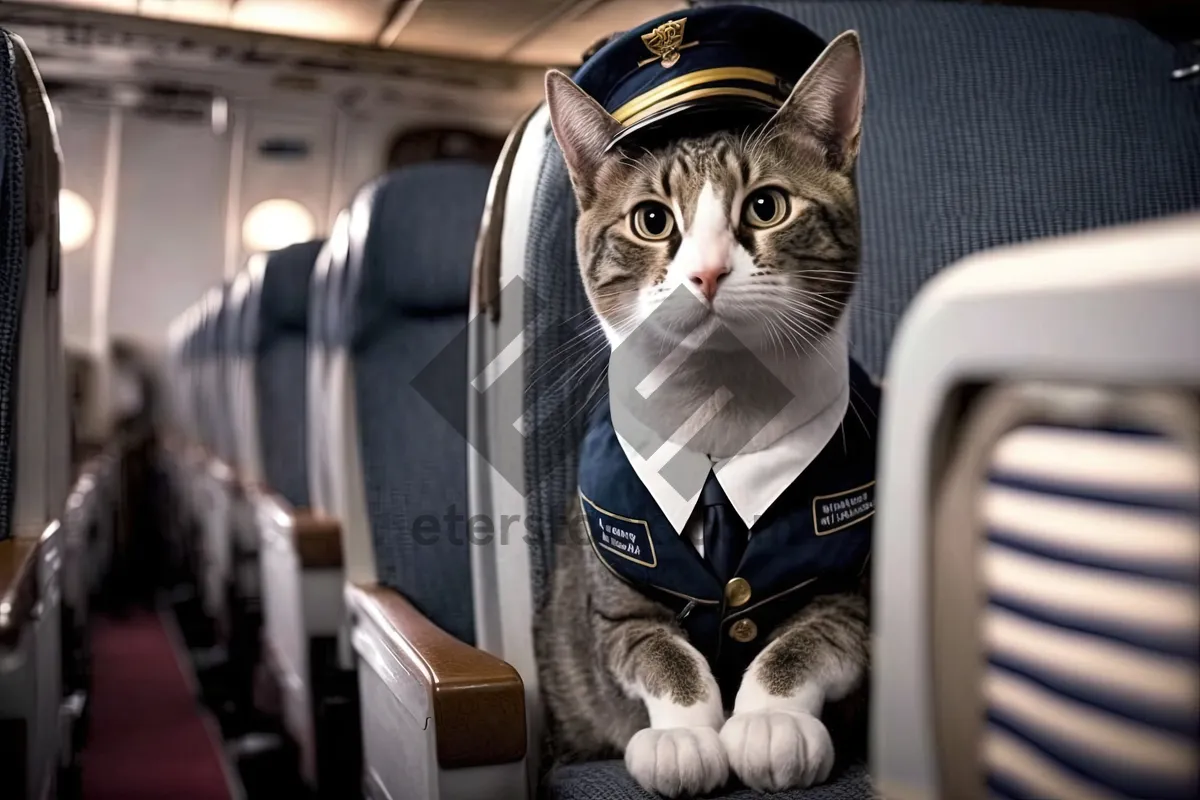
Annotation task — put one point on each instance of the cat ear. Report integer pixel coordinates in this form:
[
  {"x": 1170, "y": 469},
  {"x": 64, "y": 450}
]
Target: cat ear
[
  {"x": 581, "y": 125},
  {"x": 828, "y": 101}
]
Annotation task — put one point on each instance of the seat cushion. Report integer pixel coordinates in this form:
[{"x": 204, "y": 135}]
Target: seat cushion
[{"x": 609, "y": 780}]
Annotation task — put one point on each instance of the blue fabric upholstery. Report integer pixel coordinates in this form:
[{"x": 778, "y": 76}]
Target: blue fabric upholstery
[
  {"x": 985, "y": 125},
  {"x": 213, "y": 381},
  {"x": 12, "y": 269},
  {"x": 324, "y": 289},
  {"x": 286, "y": 282},
  {"x": 608, "y": 780},
  {"x": 988, "y": 125},
  {"x": 223, "y": 323},
  {"x": 407, "y": 297},
  {"x": 280, "y": 346}
]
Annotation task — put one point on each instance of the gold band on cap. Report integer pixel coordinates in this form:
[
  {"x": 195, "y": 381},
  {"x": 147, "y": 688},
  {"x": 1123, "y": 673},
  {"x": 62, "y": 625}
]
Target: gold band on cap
[
  {"x": 659, "y": 93},
  {"x": 712, "y": 91}
]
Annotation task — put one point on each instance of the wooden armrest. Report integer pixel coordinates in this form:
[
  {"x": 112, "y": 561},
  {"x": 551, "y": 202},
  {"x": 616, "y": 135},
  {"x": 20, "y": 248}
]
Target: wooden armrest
[
  {"x": 19, "y": 590},
  {"x": 477, "y": 700},
  {"x": 316, "y": 538}
]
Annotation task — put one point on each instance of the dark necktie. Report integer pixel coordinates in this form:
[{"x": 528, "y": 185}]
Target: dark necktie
[{"x": 725, "y": 534}]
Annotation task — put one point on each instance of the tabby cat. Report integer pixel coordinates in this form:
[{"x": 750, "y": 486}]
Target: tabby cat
[{"x": 758, "y": 228}]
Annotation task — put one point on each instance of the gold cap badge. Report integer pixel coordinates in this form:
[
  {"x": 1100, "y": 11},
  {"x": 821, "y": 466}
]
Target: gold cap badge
[{"x": 665, "y": 42}]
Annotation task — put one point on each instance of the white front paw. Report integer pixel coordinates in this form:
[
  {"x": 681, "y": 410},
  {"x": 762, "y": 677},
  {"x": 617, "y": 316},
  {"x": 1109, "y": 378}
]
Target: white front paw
[
  {"x": 776, "y": 750},
  {"x": 677, "y": 761}
]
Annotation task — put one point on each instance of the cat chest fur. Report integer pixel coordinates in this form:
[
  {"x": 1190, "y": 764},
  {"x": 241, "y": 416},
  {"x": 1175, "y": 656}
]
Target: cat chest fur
[{"x": 814, "y": 539}]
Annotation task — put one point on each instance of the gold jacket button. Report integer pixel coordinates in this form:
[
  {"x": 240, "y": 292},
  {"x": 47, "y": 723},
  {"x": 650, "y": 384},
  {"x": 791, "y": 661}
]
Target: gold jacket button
[
  {"x": 744, "y": 630},
  {"x": 737, "y": 592}
]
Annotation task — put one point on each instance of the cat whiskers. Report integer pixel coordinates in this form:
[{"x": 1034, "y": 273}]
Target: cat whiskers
[
  {"x": 592, "y": 339},
  {"x": 799, "y": 317}
]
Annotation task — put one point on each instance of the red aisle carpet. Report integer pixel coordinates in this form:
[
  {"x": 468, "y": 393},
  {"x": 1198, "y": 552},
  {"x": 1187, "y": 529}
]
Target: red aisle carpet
[{"x": 147, "y": 739}]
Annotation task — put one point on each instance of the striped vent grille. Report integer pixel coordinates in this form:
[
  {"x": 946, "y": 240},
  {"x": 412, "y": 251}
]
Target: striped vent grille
[{"x": 1092, "y": 623}]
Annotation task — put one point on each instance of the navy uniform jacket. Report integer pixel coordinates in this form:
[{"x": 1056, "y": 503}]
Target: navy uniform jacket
[{"x": 814, "y": 539}]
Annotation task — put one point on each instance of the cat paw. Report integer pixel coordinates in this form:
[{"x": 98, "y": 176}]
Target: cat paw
[
  {"x": 775, "y": 750},
  {"x": 677, "y": 761}
]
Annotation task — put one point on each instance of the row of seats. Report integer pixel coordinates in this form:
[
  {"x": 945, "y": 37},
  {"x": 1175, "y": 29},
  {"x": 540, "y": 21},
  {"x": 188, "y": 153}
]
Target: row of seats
[
  {"x": 53, "y": 536},
  {"x": 270, "y": 372},
  {"x": 376, "y": 434}
]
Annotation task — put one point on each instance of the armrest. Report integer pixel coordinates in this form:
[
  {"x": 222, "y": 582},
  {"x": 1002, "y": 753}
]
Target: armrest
[
  {"x": 477, "y": 701},
  {"x": 20, "y": 583},
  {"x": 222, "y": 473},
  {"x": 317, "y": 539}
]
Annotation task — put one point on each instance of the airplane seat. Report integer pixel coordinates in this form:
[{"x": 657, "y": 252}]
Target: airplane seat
[
  {"x": 1039, "y": 553},
  {"x": 324, "y": 300},
  {"x": 243, "y": 611},
  {"x": 87, "y": 530},
  {"x": 216, "y": 476},
  {"x": 185, "y": 444},
  {"x": 280, "y": 353},
  {"x": 439, "y": 717},
  {"x": 301, "y": 548},
  {"x": 495, "y": 460},
  {"x": 35, "y": 723},
  {"x": 177, "y": 445},
  {"x": 189, "y": 460},
  {"x": 948, "y": 167}
]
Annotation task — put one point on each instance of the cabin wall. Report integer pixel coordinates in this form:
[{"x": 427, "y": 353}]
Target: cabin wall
[
  {"x": 84, "y": 138},
  {"x": 180, "y": 191},
  {"x": 170, "y": 223}
]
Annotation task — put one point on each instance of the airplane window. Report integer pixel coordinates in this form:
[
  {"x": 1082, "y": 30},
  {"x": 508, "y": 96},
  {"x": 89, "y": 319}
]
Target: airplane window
[
  {"x": 277, "y": 223},
  {"x": 75, "y": 221}
]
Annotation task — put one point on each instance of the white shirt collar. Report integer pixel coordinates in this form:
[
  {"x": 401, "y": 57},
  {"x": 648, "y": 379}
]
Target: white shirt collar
[{"x": 752, "y": 480}]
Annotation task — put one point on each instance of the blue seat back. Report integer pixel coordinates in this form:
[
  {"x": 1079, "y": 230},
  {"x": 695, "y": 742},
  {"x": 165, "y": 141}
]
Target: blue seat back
[
  {"x": 12, "y": 270},
  {"x": 986, "y": 126},
  {"x": 233, "y": 348},
  {"x": 279, "y": 340},
  {"x": 407, "y": 291},
  {"x": 211, "y": 383},
  {"x": 222, "y": 413}
]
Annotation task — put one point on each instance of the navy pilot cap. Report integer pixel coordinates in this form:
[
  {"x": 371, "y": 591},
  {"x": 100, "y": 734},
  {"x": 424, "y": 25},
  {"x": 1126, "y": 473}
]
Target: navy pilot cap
[{"x": 726, "y": 59}]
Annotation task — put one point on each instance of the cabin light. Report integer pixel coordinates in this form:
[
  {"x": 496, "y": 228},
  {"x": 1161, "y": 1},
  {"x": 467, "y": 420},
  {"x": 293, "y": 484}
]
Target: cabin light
[
  {"x": 277, "y": 223},
  {"x": 220, "y": 115},
  {"x": 75, "y": 221}
]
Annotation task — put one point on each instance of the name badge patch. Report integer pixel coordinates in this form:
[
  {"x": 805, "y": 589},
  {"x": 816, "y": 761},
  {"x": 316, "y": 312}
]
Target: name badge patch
[
  {"x": 833, "y": 512},
  {"x": 626, "y": 537}
]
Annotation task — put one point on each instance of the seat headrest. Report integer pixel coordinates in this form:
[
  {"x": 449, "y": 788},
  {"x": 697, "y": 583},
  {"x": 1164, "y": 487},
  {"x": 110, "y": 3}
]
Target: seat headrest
[
  {"x": 419, "y": 241},
  {"x": 285, "y": 290}
]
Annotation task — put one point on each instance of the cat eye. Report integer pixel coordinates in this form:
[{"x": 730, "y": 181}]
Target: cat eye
[
  {"x": 653, "y": 221},
  {"x": 765, "y": 208}
]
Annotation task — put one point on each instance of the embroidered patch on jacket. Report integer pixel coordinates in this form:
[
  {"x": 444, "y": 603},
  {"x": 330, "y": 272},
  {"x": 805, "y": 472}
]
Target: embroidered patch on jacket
[
  {"x": 833, "y": 512},
  {"x": 626, "y": 537}
]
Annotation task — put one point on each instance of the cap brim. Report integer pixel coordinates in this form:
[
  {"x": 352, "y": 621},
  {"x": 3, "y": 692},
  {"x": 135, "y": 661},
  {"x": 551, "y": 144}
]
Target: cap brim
[{"x": 698, "y": 118}]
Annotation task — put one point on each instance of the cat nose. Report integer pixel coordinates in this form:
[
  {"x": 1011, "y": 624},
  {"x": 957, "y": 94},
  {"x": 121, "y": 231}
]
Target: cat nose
[{"x": 707, "y": 278}]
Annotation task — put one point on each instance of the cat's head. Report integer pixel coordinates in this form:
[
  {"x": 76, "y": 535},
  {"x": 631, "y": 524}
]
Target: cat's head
[{"x": 753, "y": 229}]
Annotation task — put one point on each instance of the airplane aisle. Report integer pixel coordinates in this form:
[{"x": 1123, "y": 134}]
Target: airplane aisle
[{"x": 149, "y": 737}]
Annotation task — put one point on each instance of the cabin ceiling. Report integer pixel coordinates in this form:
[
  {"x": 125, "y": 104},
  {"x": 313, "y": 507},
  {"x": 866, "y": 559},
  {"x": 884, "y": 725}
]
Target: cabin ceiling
[{"x": 534, "y": 32}]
